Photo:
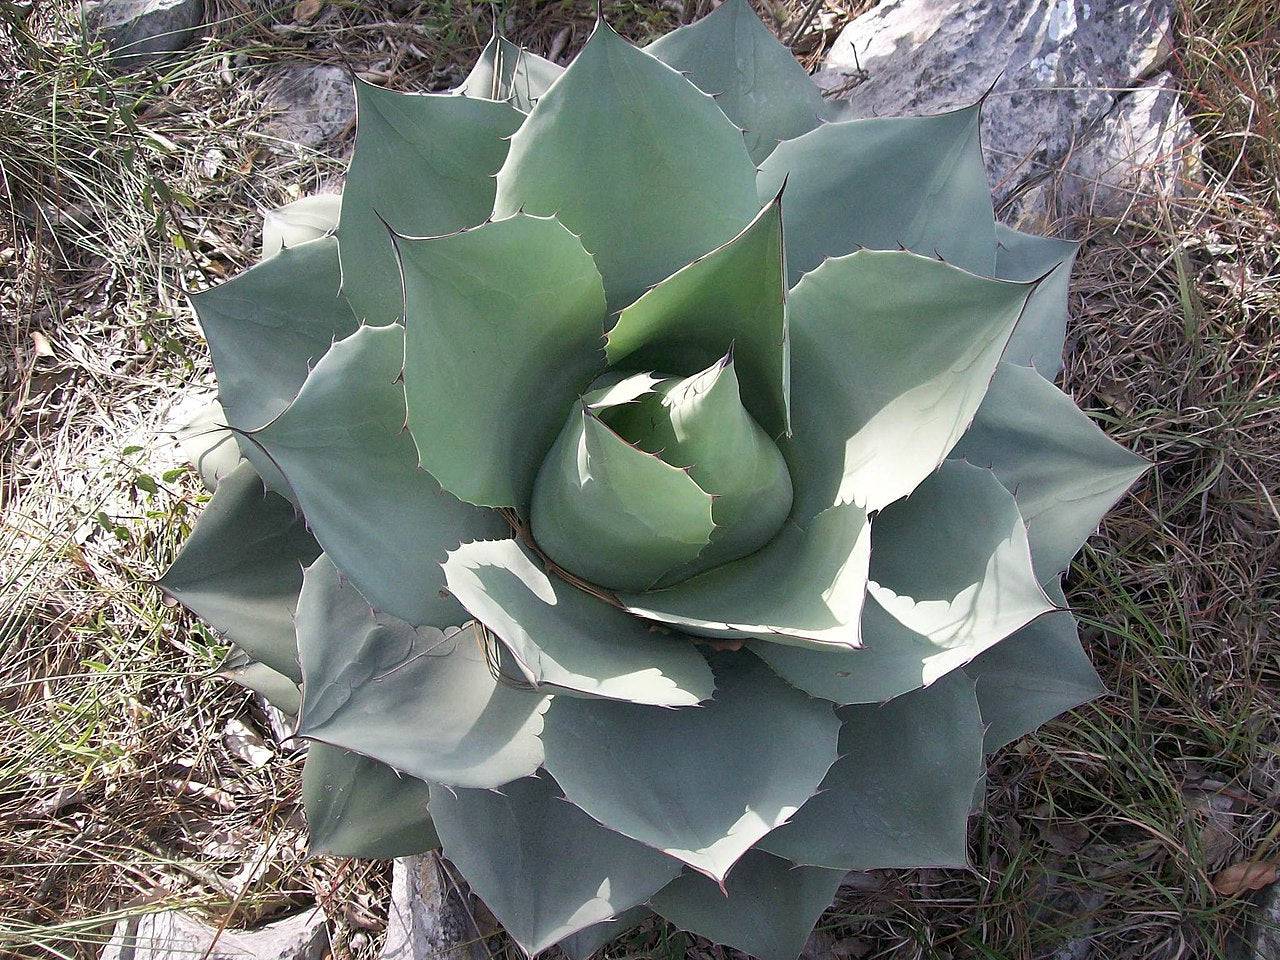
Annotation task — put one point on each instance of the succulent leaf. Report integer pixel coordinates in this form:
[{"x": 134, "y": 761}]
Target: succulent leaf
[
  {"x": 343, "y": 448},
  {"x": 358, "y": 807},
  {"x": 308, "y": 218},
  {"x": 769, "y": 911},
  {"x": 611, "y": 513},
  {"x": 584, "y": 944},
  {"x": 481, "y": 424},
  {"x": 901, "y": 791},
  {"x": 1031, "y": 677},
  {"x": 665, "y": 777},
  {"x": 891, "y": 355},
  {"x": 952, "y": 562},
  {"x": 265, "y": 329},
  {"x": 635, "y": 160},
  {"x": 733, "y": 296},
  {"x": 208, "y": 445},
  {"x": 1041, "y": 334},
  {"x": 545, "y": 868},
  {"x": 731, "y": 55},
  {"x": 507, "y": 71},
  {"x": 569, "y": 640},
  {"x": 1064, "y": 472},
  {"x": 241, "y": 569},
  {"x": 805, "y": 587},
  {"x": 273, "y": 686},
  {"x": 884, "y": 183},
  {"x": 421, "y": 700},
  {"x": 423, "y": 163}
]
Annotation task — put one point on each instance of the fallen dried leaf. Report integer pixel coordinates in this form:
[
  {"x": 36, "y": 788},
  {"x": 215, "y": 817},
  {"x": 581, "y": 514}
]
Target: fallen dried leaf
[
  {"x": 1247, "y": 875},
  {"x": 304, "y": 11}
]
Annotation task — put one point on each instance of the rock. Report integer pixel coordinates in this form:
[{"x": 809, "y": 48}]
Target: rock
[
  {"x": 173, "y": 935},
  {"x": 426, "y": 920},
  {"x": 312, "y": 104},
  {"x": 1261, "y": 940},
  {"x": 1060, "y": 70},
  {"x": 142, "y": 32}
]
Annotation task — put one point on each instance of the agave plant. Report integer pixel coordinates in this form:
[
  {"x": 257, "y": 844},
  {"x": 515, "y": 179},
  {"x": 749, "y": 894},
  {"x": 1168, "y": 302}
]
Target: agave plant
[{"x": 653, "y": 490}]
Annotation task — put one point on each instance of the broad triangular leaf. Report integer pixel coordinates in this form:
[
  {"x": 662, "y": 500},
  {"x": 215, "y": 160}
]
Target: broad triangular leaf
[
  {"x": 343, "y": 448},
  {"x": 503, "y": 336},
  {"x": 507, "y": 71},
  {"x": 885, "y": 183},
  {"x": 421, "y": 700},
  {"x": 702, "y": 784},
  {"x": 294, "y": 223},
  {"x": 273, "y": 686},
  {"x": 208, "y": 445},
  {"x": 635, "y": 160},
  {"x": 584, "y": 944},
  {"x": 1042, "y": 332},
  {"x": 756, "y": 81},
  {"x": 545, "y": 868},
  {"x": 565, "y": 639}
]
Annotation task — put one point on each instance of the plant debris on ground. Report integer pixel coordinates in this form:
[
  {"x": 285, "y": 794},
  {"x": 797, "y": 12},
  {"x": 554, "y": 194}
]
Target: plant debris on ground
[{"x": 132, "y": 780}]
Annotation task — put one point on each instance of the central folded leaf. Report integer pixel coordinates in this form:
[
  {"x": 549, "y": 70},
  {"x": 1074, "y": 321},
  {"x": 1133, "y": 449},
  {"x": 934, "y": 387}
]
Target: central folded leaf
[{"x": 658, "y": 478}]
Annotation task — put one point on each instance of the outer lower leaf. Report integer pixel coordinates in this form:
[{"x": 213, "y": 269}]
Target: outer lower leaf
[
  {"x": 701, "y": 784},
  {"x": 884, "y": 183},
  {"x": 357, "y": 807},
  {"x": 584, "y": 944},
  {"x": 566, "y": 639},
  {"x": 900, "y": 792},
  {"x": 952, "y": 562},
  {"x": 241, "y": 569},
  {"x": 771, "y": 908},
  {"x": 1064, "y": 472},
  {"x": 701, "y": 424},
  {"x": 635, "y": 160},
  {"x": 208, "y": 445},
  {"x": 612, "y": 514},
  {"x": 424, "y": 162},
  {"x": 891, "y": 355},
  {"x": 733, "y": 296},
  {"x": 1034, "y": 675},
  {"x": 294, "y": 223},
  {"x": 507, "y": 71},
  {"x": 420, "y": 700},
  {"x": 274, "y": 687},
  {"x": 545, "y": 868},
  {"x": 354, "y": 469},
  {"x": 806, "y": 587},
  {"x": 756, "y": 81},
  {"x": 266, "y": 328},
  {"x": 503, "y": 336},
  {"x": 1041, "y": 334}
]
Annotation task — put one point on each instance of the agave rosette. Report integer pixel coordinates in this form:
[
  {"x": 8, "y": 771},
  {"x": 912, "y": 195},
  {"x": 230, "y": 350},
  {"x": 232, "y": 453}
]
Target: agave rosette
[{"x": 653, "y": 441}]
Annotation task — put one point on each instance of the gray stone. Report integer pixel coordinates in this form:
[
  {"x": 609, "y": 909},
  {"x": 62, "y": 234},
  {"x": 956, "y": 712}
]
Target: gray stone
[
  {"x": 426, "y": 920},
  {"x": 142, "y": 32},
  {"x": 1262, "y": 938},
  {"x": 1059, "y": 68},
  {"x": 311, "y": 104},
  {"x": 173, "y": 935}
]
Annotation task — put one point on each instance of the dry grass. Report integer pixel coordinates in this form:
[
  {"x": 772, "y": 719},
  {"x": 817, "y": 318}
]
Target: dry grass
[{"x": 119, "y": 789}]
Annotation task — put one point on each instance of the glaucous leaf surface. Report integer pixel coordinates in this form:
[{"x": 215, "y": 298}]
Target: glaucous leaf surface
[
  {"x": 545, "y": 868},
  {"x": 665, "y": 777},
  {"x": 635, "y": 160},
  {"x": 755, "y": 80},
  {"x": 353, "y": 467},
  {"x": 731, "y": 298},
  {"x": 568, "y": 640},
  {"x": 701, "y": 425},
  {"x": 308, "y": 218},
  {"x": 424, "y": 165},
  {"x": 273, "y": 686},
  {"x": 891, "y": 354},
  {"x": 422, "y": 701},
  {"x": 769, "y": 911},
  {"x": 358, "y": 807},
  {"x": 504, "y": 334},
  {"x": 204, "y": 441},
  {"x": 1064, "y": 472},
  {"x": 805, "y": 587},
  {"x": 913, "y": 182},
  {"x": 1041, "y": 334},
  {"x": 241, "y": 569},
  {"x": 584, "y": 944},
  {"x": 900, "y": 793},
  {"x": 951, "y": 561},
  {"x": 507, "y": 71}
]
